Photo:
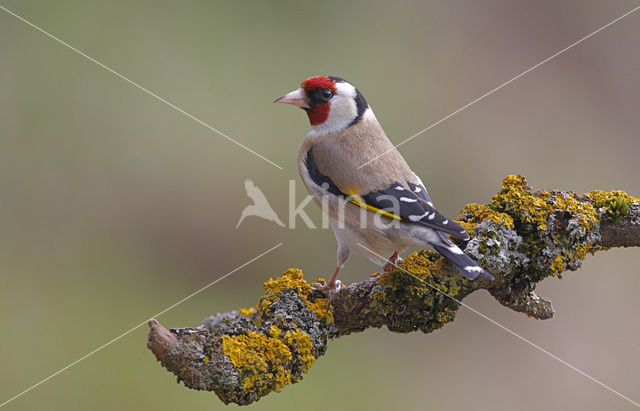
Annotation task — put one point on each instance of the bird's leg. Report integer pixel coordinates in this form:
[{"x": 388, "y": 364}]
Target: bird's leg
[
  {"x": 393, "y": 261},
  {"x": 332, "y": 282}
]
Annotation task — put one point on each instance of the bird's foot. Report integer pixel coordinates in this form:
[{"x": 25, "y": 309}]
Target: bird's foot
[
  {"x": 394, "y": 260},
  {"x": 328, "y": 288}
]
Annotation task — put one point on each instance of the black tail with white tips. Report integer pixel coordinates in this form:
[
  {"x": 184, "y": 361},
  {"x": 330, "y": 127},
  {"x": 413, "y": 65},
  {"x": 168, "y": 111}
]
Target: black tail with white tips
[{"x": 462, "y": 262}]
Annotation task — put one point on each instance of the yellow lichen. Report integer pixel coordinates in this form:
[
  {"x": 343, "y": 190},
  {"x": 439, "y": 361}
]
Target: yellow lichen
[
  {"x": 293, "y": 279},
  {"x": 517, "y": 206},
  {"x": 516, "y": 199},
  {"x": 483, "y": 212},
  {"x": 604, "y": 197},
  {"x": 302, "y": 344},
  {"x": 257, "y": 356},
  {"x": 582, "y": 250},
  {"x": 384, "y": 279},
  {"x": 247, "y": 311},
  {"x": 205, "y": 359},
  {"x": 275, "y": 331},
  {"x": 616, "y": 203},
  {"x": 583, "y": 211},
  {"x": 321, "y": 309},
  {"x": 557, "y": 266},
  {"x": 424, "y": 264},
  {"x": 571, "y": 255}
]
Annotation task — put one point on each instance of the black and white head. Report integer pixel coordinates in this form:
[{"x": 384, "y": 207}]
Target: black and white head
[{"x": 332, "y": 104}]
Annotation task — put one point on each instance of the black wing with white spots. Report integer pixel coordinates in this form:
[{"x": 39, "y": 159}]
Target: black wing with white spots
[
  {"x": 400, "y": 200},
  {"x": 420, "y": 191},
  {"x": 410, "y": 202}
]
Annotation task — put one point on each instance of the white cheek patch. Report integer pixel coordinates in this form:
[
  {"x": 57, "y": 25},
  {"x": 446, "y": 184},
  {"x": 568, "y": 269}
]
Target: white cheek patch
[{"x": 342, "y": 113}]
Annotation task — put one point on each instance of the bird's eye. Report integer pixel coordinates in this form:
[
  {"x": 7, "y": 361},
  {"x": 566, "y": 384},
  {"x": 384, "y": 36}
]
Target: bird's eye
[{"x": 326, "y": 94}]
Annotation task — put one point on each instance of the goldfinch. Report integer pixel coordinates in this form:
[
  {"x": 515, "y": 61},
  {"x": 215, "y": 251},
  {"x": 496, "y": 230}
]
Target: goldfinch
[{"x": 377, "y": 208}]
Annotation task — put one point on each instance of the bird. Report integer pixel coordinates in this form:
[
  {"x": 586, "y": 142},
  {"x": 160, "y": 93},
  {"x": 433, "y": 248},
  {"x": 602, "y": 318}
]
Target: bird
[
  {"x": 376, "y": 205},
  {"x": 260, "y": 207}
]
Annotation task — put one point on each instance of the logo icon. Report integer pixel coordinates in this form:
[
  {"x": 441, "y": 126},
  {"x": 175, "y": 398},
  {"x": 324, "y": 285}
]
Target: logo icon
[{"x": 260, "y": 207}]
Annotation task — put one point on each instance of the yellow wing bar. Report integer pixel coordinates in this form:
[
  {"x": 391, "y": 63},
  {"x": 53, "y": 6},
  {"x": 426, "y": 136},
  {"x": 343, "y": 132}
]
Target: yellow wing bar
[{"x": 357, "y": 200}]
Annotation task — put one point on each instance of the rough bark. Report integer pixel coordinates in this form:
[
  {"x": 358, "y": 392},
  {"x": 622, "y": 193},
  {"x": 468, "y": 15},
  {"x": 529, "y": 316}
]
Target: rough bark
[{"x": 521, "y": 237}]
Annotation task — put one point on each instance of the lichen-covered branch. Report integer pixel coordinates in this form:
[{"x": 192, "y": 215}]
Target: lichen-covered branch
[{"x": 521, "y": 237}]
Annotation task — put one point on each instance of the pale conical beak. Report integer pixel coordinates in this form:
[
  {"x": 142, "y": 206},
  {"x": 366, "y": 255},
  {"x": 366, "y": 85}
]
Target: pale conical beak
[{"x": 296, "y": 97}]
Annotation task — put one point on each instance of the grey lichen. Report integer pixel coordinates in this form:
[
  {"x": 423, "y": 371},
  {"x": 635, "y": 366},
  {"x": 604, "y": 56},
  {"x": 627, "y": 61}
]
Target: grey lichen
[{"x": 496, "y": 247}]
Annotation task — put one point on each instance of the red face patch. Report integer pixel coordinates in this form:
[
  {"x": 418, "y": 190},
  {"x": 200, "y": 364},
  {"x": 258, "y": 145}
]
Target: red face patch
[
  {"x": 319, "y": 82},
  {"x": 319, "y": 114}
]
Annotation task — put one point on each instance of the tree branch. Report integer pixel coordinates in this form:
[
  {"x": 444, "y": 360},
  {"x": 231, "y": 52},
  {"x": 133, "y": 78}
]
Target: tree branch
[{"x": 520, "y": 237}]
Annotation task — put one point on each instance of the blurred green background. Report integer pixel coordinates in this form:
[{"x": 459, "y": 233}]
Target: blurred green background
[{"x": 114, "y": 206}]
